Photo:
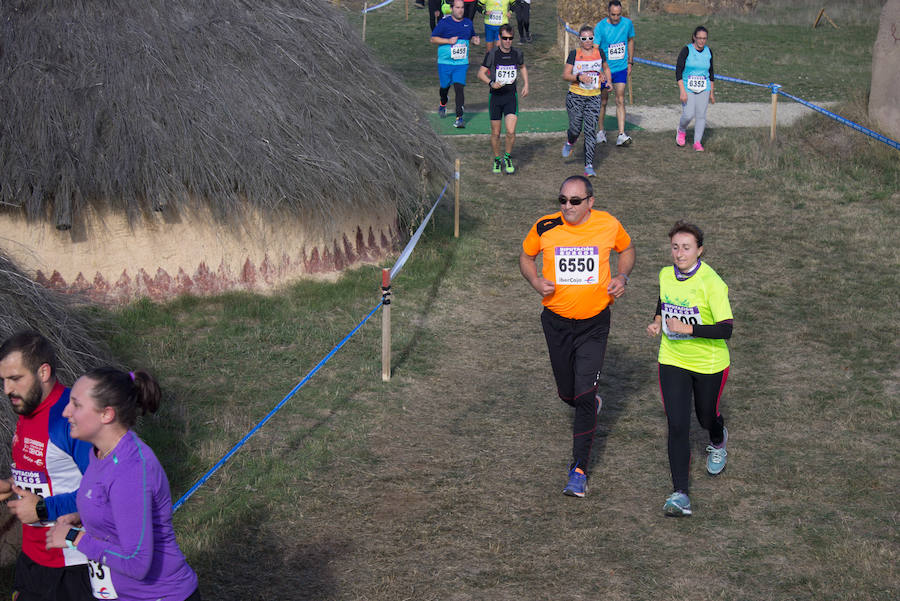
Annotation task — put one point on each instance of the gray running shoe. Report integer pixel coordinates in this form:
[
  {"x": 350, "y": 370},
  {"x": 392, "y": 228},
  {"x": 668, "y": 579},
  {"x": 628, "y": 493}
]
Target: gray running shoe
[
  {"x": 677, "y": 505},
  {"x": 718, "y": 456}
]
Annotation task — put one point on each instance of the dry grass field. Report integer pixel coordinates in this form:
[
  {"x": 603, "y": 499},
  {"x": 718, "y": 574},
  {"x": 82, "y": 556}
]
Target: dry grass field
[{"x": 445, "y": 484}]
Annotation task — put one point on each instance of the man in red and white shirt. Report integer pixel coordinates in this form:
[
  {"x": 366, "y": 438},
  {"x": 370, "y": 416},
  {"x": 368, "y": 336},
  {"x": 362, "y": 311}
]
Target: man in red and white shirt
[{"x": 47, "y": 468}]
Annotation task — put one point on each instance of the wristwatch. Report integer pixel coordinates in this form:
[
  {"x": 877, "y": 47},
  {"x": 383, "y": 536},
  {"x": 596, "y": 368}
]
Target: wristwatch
[
  {"x": 71, "y": 536},
  {"x": 40, "y": 509},
  {"x": 626, "y": 277}
]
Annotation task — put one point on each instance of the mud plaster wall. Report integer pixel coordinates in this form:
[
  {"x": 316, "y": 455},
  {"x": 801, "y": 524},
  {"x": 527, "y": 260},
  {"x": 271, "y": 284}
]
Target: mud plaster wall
[
  {"x": 884, "y": 99},
  {"x": 165, "y": 255}
]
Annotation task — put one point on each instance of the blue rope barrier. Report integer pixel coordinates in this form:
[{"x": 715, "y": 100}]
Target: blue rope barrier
[
  {"x": 371, "y": 8},
  {"x": 656, "y": 64},
  {"x": 271, "y": 413},
  {"x": 776, "y": 89},
  {"x": 401, "y": 260},
  {"x": 881, "y": 138},
  {"x": 397, "y": 266}
]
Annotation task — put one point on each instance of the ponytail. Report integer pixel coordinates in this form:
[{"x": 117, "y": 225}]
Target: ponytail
[{"x": 131, "y": 394}]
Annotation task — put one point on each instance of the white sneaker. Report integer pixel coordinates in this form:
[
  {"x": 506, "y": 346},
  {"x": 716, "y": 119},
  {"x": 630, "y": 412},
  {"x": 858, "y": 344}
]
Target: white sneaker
[
  {"x": 601, "y": 137},
  {"x": 623, "y": 139}
]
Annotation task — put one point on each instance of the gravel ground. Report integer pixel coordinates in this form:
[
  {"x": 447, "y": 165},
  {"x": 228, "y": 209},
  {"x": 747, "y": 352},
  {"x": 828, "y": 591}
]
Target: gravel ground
[{"x": 721, "y": 114}]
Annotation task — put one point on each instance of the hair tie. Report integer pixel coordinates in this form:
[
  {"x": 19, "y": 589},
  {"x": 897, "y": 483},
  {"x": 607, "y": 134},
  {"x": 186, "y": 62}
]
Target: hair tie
[{"x": 131, "y": 373}]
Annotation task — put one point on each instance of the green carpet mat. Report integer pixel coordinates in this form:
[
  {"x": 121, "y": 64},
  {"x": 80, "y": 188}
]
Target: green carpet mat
[{"x": 529, "y": 122}]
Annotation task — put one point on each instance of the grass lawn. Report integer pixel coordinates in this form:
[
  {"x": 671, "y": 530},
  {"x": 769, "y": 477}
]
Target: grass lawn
[{"x": 446, "y": 483}]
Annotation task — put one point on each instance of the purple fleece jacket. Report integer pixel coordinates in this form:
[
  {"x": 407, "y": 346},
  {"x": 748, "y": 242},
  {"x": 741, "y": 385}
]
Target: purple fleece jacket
[{"x": 126, "y": 510}]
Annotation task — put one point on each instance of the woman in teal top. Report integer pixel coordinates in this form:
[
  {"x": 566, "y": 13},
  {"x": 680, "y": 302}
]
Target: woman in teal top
[
  {"x": 694, "y": 316},
  {"x": 696, "y": 79}
]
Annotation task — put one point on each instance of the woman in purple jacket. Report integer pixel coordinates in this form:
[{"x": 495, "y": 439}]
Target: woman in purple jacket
[{"x": 124, "y": 501}]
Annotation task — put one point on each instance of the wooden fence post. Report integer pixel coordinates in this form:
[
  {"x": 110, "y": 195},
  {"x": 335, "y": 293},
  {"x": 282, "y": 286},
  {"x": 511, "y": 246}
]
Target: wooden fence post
[
  {"x": 385, "y": 325},
  {"x": 456, "y": 203},
  {"x": 774, "y": 110}
]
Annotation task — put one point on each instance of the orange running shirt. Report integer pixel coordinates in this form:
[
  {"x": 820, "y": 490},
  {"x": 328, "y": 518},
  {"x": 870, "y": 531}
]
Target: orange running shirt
[{"x": 576, "y": 260}]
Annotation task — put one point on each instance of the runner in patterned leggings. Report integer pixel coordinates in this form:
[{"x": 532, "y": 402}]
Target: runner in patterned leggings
[
  {"x": 585, "y": 70},
  {"x": 694, "y": 316}
]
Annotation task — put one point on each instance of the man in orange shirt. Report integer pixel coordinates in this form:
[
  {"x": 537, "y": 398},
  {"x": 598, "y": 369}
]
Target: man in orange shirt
[{"x": 577, "y": 288}]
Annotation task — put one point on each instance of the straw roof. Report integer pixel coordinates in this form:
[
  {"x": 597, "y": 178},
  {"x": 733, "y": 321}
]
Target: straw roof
[
  {"x": 25, "y": 305},
  {"x": 135, "y": 106}
]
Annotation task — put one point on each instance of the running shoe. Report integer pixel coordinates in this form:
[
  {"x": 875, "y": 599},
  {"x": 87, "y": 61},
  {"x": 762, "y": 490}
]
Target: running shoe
[
  {"x": 718, "y": 456},
  {"x": 677, "y": 505},
  {"x": 577, "y": 484},
  {"x": 507, "y": 164},
  {"x": 698, "y": 147},
  {"x": 623, "y": 139},
  {"x": 589, "y": 171},
  {"x": 601, "y": 137},
  {"x": 459, "y": 123},
  {"x": 679, "y": 137},
  {"x": 567, "y": 149},
  {"x": 498, "y": 166},
  {"x": 529, "y": 38},
  {"x": 442, "y": 111}
]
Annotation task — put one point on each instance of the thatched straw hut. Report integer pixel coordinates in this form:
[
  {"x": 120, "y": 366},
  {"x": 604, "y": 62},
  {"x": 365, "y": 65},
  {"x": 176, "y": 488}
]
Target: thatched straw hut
[
  {"x": 24, "y": 305},
  {"x": 158, "y": 147}
]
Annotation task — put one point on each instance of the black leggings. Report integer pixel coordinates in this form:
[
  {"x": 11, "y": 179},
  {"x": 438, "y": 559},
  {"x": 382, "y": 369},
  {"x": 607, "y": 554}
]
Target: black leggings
[
  {"x": 469, "y": 11},
  {"x": 459, "y": 91},
  {"x": 677, "y": 386},
  {"x": 577, "y": 348},
  {"x": 434, "y": 6},
  {"x": 523, "y": 18}
]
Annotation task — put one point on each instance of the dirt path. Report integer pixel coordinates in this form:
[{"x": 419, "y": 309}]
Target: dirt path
[
  {"x": 722, "y": 114},
  {"x": 553, "y": 120}
]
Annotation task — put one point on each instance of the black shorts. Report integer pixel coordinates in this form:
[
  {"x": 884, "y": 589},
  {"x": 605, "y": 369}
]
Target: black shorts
[
  {"x": 500, "y": 105},
  {"x": 35, "y": 582}
]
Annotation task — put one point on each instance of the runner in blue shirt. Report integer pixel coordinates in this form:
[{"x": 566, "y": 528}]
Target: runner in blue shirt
[
  {"x": 615, "y": 36},
  {"x": 453, "y": 34}
]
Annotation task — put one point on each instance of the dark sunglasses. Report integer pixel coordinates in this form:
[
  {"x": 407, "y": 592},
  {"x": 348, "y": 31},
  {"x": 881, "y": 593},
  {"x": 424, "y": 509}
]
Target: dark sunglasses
[
  {"x": 575, "y": 201},
  {"x": 503, "y": 37},
  {"x": 585, "y": 39}
]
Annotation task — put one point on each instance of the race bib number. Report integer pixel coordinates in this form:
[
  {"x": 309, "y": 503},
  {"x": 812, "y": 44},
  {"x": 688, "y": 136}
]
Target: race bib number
[
  {"x": 689, "y": 315},
  {"x": 696, "y": 83},
  {"x": 577, "y": 265},
  {"x": 506, "y": 74},
  {"x": 101, "y": 581},
  {"x": 590, "y": 80},
  {"x": 35, "y": 482},
  {"x": 459, "y": 51},
  {"x": 616, "y": 51},
  {"x": 494, "y": 17},
  {"x": 590, "y": 73}
]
